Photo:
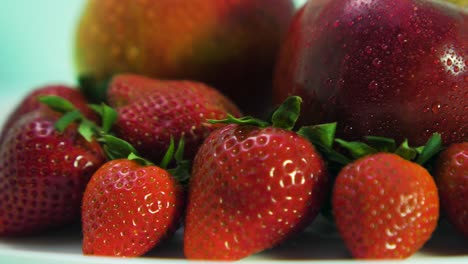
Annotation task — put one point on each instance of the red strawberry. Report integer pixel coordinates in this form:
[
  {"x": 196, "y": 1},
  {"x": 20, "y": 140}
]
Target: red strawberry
[
  {"x": 151, "y": 111},
  {"x": 251, "y": 187},
  {"x": 451, "y": 175},
  {"x": 43, "y": 173},
  {"x": 129, "y": 204},
  {"x": 384, "y": 206},
  {"x": 128, "y": 208},
  {"x": 31, "y": 103}
]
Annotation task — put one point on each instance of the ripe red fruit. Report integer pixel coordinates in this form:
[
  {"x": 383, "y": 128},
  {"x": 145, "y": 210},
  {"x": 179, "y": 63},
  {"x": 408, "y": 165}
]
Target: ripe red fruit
[
  {"x": 384, "y": 206},
  {"x": 130, "y": 204},
  {"x": 251, "y": 188},
  {"x": 394, "y": 68},
  {"x": 151, "y": 111},
  {"x": 31, "y": 103},
  {"x": 128, "y": 208},
  {"x": 43, "y": 174},
  {"x": 451, "y": 175},
  {"x": 230, "y": 44}
]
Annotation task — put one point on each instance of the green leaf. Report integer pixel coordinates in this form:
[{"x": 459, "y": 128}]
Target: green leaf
[
  {"x": 287, "y": 113},
  {"x": 432, "y": 147},
  {"x": 140, "y": 160},
  {"x": 67, "y": 119},
  {"x": 108, "y": 115},
  {"x": 405, "y": 151},
  {"x": 86, "y": 129},
  {"x": 168, "y": 155},
  {"x": 381, "y": 144},
  {"x": 356, "y": 149},
  {"x": 57, "y": 103},
  {"x": 97, "y": 108},
  {"x": 246, "y": 120},
  {"x": 94, "y": 89},
  {"x": 179, "y": 154},
  {"x": 116, "y": 148},
  {"x": 322, "y": 135},
  {"x": 181, "y": 172}
]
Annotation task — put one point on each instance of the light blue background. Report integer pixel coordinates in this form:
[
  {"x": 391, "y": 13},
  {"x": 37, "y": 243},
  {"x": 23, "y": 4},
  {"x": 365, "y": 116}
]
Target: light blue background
[{"x": 36, "y": 42}]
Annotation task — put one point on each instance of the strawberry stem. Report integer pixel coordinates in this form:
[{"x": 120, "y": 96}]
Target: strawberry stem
[
  {"x": 168, "y": 155},
  {"x": 108, "y": 115},
  {"x": 114, "y": 147},
  {"x": 286, "y": 115},
  {"x": 94, "y": 89},
  {"x": 57, "y": 103},
  {"x": 432, "y": 147},
  {"x": 67, "y": 119},
  {"x": 246, "y": 120},
  {"x": 405, "y": 151},
  {"x": 323, "y": 136}
]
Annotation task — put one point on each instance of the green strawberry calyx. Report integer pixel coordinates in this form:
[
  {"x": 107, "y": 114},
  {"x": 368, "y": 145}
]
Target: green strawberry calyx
[
  {"x": 323, "y": 137},
  {"x": 93, "y": 88},
  {"x": 114, "y": 147},
  {"x": 285, "y": 116}
]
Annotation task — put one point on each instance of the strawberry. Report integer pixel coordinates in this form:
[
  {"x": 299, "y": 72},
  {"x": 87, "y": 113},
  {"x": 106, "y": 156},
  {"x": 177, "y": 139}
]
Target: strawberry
[
  {"x": 253, "y": 185},
  {"x": 31, "y": 103},
  {"x": 43, "y": 172},
  {"x": 386, "y": 206},
  {"x": 128, "y": 208},
  {"x": 151, "y": 111},
  {"x": 451, "y": 175},
  {"x": 129, "y": 204}
]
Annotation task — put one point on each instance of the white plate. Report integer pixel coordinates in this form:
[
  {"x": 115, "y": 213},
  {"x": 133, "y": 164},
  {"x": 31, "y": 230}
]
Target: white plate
[{"x": 320, "y": 242}]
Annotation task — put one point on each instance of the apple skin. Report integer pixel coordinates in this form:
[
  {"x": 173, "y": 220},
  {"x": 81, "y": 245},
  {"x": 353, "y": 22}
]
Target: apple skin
[
  {"x": 393, "y": 68},
  {"x": 230, "y": 44}
]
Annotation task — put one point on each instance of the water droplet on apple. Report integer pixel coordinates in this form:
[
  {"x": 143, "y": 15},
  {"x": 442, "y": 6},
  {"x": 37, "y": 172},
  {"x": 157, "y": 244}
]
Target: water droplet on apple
[
  {"x": 377, "y": 62},
  {"x": 341, "y": 82},
  {"x": 384, "y": 46},
  {"x": 436, "y": 107},
  {"x": 373, "y": 85},
  {"x": 449, "y": 62},
  {"x": 368, "y": 49},
  {"x": 336, "y": 24},
  {"x": 401, "y": 38}
]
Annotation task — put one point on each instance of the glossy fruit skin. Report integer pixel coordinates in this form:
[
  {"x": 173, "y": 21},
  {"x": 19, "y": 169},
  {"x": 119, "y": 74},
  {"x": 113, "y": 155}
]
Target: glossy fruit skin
[
  {"x": 43, "y": 174},
  {"x": 384, "y": 206},
  {"x": 31, "y": 103},
  {"x": 250, "y": 189},
  {"x": 129, "y": 208},
  {"x": 451, "y": 175},
  {"x": 394, "y": 68},
  {"x": 231, "y": 45},
  {"x": 151, "y": 111}
]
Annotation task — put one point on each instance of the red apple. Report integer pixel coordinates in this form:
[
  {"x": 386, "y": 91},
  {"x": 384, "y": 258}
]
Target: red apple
[
  {"x": 229, "y": 44},
  {"x": 395, "y": 68}
]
